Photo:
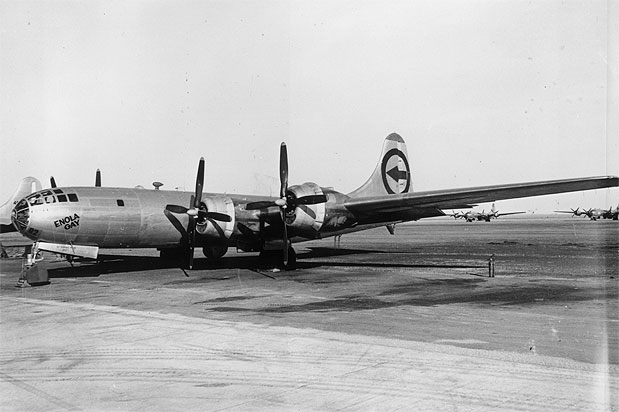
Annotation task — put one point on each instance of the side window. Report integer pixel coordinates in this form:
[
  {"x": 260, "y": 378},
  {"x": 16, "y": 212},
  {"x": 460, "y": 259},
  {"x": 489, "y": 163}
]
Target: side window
[
  {"x": 35, "y": 200},
  {"x": 62, "y": 198},
  {"x": 72, "y": 197},
  {"x": 120, "y": 202}
]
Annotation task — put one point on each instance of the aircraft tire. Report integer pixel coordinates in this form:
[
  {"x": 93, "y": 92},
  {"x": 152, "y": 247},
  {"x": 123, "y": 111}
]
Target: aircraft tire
[{"x": 214, "y": 252}]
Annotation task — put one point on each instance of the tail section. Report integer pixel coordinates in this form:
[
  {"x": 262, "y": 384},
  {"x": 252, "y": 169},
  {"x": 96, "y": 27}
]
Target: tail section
[
  {"x": 392, "y": 174},
  {"x": 27, "y": 186}
]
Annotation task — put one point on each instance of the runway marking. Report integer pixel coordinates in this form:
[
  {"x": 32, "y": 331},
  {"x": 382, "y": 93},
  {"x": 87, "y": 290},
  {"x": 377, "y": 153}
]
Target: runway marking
[
  {"x": 460, "y": 341},
  {"x": 29, "y": 388},
  {"x": 273, "y": 367}
]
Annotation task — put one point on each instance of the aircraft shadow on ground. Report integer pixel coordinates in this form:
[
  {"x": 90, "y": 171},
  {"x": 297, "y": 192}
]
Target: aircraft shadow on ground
[
  {"x": 435, "y": 293},
  {"x": 122, "y": 263},
  {"x": 109, "y": 264}
]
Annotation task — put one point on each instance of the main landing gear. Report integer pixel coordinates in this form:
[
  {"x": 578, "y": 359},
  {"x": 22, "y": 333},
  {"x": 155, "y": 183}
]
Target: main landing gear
[{"x": 268, "y": 258}]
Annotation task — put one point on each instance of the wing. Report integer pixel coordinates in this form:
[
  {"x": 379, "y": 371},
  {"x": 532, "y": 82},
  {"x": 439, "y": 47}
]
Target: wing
[
  {"x": 509, "y": 213},
  {"x": 410, "y": 206}
]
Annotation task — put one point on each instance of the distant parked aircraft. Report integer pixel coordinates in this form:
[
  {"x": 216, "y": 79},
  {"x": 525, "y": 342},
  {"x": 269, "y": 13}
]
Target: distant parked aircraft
[
  {"x": 612, "y": 214},
  {"x": 472, "y": 215},
  {"x": 594, "y": 214},
  {"x": 574, "y": 212}
]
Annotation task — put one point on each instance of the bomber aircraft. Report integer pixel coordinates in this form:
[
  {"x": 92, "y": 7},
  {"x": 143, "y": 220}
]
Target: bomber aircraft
[
  {"x": 80, "y": 220},
  {"x": 574, "y": 212},
  {"x": 612, "y": 214},
  {"x": 472, "y": 215},
  {"x": 594, "y": 214}
]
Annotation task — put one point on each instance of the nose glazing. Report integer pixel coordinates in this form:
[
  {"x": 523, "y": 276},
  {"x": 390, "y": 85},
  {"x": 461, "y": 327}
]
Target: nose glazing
[{"x": 21, "y": 215}]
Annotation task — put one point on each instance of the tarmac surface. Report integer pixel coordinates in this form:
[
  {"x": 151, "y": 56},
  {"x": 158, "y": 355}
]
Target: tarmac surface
[{"x": 404, "y": 322}]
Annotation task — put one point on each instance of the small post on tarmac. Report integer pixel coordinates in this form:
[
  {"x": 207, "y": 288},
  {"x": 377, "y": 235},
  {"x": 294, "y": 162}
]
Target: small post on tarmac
[
  {"x": 3, "y": 254},
  {"x": 491, "y": 266}
]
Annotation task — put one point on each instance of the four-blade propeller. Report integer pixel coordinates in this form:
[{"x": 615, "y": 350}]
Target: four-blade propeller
[
  {"x": 287, "y": 199},
  {"x": 574, "y": 212},
  {"x": 198, "y": 215}
]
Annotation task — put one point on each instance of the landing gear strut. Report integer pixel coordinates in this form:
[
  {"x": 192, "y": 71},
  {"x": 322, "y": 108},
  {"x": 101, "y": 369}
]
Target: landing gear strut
[{"x": 275, "y": 259}]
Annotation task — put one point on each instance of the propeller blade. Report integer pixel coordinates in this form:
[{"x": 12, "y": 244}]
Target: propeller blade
[
  {"x": 307, "y": 210},
  {"x": 260, "y": 205},
  {"x": 98, "y": 178},
  {"x": 191, "y": 231},
  {"x": 52, "y": 181},
  {"x": 177, "y": 224},
  {"x": 217, "y": 228},
  {"x": 218, "y": 216},
  {"x": 199, "y": 184},
  {"x": 285, "y": 239},
  {"x": 283, "y": 190},
  {"x": 283, "y": 170},
  {"x": 191, "y": 249},
  {"x": 246, "y": 231},
  {"x": 311, "y": 200},
  {"x": 176, "y": 209}
]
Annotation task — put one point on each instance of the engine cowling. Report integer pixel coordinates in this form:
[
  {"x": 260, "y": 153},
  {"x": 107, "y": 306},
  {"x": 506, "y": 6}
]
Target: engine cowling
[
  {"x": 222, "y": 205},
  {"x": 305, "y": 218}
]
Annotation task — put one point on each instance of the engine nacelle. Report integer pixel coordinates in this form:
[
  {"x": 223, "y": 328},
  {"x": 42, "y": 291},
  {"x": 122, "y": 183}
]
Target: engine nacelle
[
  {"x": 305, "y": 217},
  {"x": 222, "y": 205}
]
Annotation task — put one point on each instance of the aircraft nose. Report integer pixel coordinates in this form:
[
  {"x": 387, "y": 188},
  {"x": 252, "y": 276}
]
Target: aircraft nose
[{"x": 20, "y": 216}]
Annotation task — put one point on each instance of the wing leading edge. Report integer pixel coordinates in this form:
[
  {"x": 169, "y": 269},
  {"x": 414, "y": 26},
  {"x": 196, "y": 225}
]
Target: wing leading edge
[{"x": 466, "y": 197}]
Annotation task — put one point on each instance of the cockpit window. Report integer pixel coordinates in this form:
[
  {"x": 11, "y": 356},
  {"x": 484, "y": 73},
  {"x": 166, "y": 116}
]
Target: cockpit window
[
  {"x": 48, "y": 197},
  {"x": 57, "y": 191},
  {"x": 35, "y": 199}
]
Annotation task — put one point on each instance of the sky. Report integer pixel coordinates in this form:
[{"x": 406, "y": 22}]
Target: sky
[{"x": 483, "y": 92}]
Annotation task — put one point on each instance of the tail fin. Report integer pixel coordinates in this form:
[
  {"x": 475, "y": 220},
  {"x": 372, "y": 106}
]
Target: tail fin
[
  {"x": 392, "y": 174},
  {"x": 27, "y": 186}
]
